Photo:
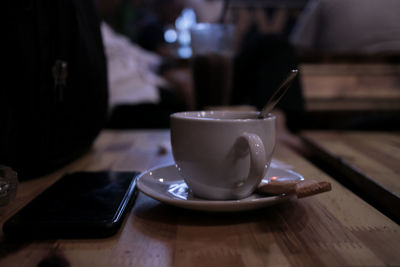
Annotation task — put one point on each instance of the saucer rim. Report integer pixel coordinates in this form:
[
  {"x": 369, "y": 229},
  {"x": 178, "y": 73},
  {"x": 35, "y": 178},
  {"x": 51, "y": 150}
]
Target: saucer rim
[{"x": 210, "y": 205}]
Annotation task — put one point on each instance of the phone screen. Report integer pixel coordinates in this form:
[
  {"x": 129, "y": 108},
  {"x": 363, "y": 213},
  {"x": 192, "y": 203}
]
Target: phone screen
[{"x": 80, "y": 204}]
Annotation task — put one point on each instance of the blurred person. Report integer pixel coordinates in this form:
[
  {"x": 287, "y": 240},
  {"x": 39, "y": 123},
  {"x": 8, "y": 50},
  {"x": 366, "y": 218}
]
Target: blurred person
[
  {"x": 349, "y": 26},
  {"x": 260, "y": 67},
  {"x": 264, "y": 58},
  {"x": 143, "y": 21},
  {"x": 131, "y": 70},
  {"x": 157, "y": 15},
  {"x": 139, "y": 96}
]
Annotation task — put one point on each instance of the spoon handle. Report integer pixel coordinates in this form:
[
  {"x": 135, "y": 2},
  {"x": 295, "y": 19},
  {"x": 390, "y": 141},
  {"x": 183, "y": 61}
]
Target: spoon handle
[{"x": 276, "y": 97}]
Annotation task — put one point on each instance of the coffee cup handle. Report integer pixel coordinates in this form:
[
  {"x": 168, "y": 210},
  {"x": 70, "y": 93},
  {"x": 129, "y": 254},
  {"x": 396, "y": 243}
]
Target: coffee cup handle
[{"x": 257, "y": 160}]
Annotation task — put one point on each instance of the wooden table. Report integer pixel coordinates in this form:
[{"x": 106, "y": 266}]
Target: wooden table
[
  {"x": 351, "y": 87},
  {"x": 369, "y": 161},
  {"x": 335, "y": 228}
]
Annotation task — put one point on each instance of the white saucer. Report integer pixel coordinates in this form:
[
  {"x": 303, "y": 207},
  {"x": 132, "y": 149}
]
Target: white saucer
[{"x": 164, "y": 184}]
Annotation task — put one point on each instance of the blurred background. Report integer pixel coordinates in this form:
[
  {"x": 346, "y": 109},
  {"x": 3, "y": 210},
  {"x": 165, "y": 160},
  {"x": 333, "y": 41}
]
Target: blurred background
[{"x": 347, "y": 53}]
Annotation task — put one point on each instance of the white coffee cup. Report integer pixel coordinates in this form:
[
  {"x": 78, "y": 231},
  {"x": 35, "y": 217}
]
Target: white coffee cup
[{"x": 222, "y": 154}]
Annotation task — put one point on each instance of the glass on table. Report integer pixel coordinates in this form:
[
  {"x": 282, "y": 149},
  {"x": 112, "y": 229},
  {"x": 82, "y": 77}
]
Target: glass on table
[{"x": 212, "y": 63}]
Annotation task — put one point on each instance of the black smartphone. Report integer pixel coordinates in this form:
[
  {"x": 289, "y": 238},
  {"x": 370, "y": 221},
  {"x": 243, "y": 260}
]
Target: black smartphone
[{"x": 79, "y": 205}]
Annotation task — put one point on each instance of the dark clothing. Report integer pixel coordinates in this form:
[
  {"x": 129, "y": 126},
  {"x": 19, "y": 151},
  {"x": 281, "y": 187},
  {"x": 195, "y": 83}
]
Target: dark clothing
[
  {"x": 261, "y": 65},
  {"x": 54, "y": 103},
  {"x": 146, "y": 115}
]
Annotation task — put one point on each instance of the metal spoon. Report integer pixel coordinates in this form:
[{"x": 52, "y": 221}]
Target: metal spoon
[{"x": 276, "y": 97}]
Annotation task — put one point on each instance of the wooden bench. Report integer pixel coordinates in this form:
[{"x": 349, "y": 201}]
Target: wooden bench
[{"x": 345, "y": 91}]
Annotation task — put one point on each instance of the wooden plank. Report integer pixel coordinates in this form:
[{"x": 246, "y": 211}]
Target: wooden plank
[
  {"x": 335, "y": 228},
  {"x": 352, "y": 105},
  {"x": 351, "y": 86},
  {"x": 351, "y": 68},
  {"x": 369, "y": 160}
]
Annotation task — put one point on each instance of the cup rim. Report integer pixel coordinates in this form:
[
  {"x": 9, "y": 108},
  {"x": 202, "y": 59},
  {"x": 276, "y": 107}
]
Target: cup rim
[{"x": 201, "y": 115}]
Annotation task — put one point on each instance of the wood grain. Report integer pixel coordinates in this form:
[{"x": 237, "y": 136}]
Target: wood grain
[
  {"x": 369, "y": 160},
  {"x": 351, "y": 86},
  {"x": 331, "y": 229}
]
